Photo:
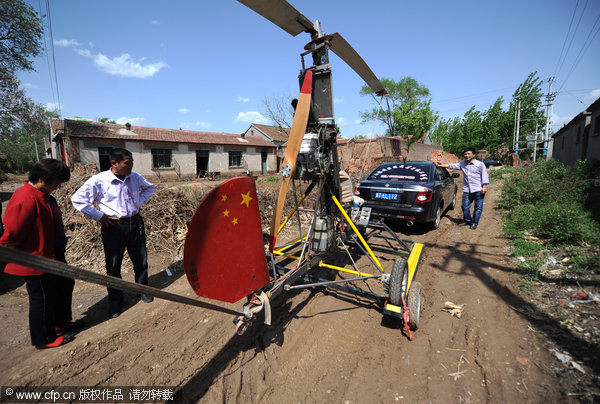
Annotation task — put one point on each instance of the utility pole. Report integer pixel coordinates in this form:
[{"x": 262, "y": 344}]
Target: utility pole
[
  {"x": 549, "y": 98},
  {"x": 517, "y": 124}
]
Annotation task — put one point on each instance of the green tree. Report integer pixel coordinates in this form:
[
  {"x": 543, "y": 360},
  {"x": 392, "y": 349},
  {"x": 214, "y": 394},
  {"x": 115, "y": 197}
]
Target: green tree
[
  {"x": 20, "y": 35},
  {"x": 398, "y": 93},
  {"x": 530, "y": 94},
  {"x": 407, "y": 111},
  {"x": 106, "y": 120}
]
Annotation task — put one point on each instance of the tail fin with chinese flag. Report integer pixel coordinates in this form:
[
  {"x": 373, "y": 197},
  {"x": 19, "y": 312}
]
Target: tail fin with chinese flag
[{"x": 224, "y": 255}]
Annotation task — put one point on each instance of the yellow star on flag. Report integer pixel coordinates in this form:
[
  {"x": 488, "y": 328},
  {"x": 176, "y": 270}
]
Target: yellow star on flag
[
  {"x": 246, "y": 198},
  {"x": 225, "y": 212},
  {"x": 235, "y": 220},
  {"x": 223, "y": 198}
]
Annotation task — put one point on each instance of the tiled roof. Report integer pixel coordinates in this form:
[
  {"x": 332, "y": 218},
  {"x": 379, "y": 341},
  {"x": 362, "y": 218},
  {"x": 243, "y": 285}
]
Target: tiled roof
[
  {"x": 276, "y": 133},
  {"x": 98, "y": 130}
]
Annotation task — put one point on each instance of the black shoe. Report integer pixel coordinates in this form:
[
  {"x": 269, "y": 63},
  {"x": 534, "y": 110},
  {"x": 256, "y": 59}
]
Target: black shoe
[
  {"x": 473, "y": 226},
  {"x": 464, "y": 224},
  {"x": 147, "y": 298},
  {"x": 115, "y": 310}
]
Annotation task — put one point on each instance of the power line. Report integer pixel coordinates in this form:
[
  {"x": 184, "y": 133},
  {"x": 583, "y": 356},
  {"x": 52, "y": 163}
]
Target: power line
[
  {"x": 53, "y": 57},
  {"x": 586, "y": 44},
  {"x": 46, "y": 39},
  {"x": 565, "y": 41},
  {"x": 572, "y": 38}
]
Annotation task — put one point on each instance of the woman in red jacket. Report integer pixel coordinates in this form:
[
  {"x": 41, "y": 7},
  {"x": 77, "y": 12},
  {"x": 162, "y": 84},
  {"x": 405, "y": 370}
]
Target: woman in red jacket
[{"x": 33, "y": 223}]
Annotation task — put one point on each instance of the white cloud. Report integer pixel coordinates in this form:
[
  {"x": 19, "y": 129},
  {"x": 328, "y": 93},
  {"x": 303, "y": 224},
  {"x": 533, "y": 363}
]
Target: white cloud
[
  {"x": 251, "y": 117},
  {"x": 123, "y": 120},
  {"x": 123, "y": 65},
  {"x": 243, "y": 99},
  {"x": 357, "y": 121},
  {"x": 558, "y": 121},
  {"x": 195, "y": 125},
  {"x": 154, "y": 22},
  {"x": 592, "y": 96},
  {"x": 52, "y": 106},
  {"x": 341, "y": 121},
  {"x": 91, "y": 44},
  {"x": 184, "y": 110},
  {"x": 338, "y": 100},
  {"x": 66, "y": 42}
]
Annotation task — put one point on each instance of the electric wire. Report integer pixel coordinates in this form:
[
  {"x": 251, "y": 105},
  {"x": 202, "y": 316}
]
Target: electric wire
[
  {"x": 566, "y": 38},
  {"x": 572, "y": 38},
  {"x": 53, "y": 57},
  {"x": 586, "y": 44},
  {"x": 46, "y": 39}
]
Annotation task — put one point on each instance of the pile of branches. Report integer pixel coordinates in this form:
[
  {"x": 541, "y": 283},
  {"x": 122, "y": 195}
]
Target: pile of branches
[{"x": 166, "y": 215}]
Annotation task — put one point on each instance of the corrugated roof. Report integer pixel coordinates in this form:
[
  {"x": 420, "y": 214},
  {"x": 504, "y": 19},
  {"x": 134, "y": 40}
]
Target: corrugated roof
[{"x": 98, "y": 130}]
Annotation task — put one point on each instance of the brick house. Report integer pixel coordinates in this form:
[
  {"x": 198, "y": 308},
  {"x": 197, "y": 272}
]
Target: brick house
[{"x": 162, "y": 153}]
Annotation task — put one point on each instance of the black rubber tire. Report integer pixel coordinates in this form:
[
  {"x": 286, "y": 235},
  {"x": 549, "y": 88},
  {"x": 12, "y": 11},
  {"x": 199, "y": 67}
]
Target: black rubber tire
[
  {"x": 413, "y": 301},
  {"x": 438, "y": 218},
  {"x": 398, "y": 281},
  {"x": 453, "y": 203}
]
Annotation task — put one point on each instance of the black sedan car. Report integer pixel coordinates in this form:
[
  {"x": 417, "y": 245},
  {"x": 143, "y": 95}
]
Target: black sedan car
[
  {"x": 417, "y": 192},
  {"x": 491, "y": 162}
]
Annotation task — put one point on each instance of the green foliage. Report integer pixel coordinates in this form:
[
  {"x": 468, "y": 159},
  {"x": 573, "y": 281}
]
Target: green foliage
[
  {"x": 582, "y": 261},
  {"x": 106, "y": 120},
  {"x": 405, "y": 98},
  {"x": 525, "y": 248},
  {"x": 529, "y": 269},
  {"x": 407, "y": 110},
  {"x": 493, "y": 128},
  {"x": 20, "y": 35},
  {"x": 547, "y": 200}
]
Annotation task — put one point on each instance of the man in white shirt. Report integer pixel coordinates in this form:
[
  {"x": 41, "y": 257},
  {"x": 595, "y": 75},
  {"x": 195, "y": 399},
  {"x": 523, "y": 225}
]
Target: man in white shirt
[{"x": 119, "y": 193}]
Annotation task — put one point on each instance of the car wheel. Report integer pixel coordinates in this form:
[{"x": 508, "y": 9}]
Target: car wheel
[
  {"x": 438, "y": 218},
  {"x": 453, "y": 203}
]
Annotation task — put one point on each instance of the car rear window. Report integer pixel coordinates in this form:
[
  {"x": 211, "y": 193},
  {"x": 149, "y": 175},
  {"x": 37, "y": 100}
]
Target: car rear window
[{"x": 401, "y": 172}]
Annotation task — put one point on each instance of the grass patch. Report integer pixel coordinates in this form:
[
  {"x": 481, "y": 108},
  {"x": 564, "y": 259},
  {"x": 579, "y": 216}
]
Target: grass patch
[{"x": 525, "y": 248}]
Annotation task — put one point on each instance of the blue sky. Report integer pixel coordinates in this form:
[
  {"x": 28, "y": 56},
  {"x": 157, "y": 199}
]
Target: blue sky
[{"x": 207, "y": 66}]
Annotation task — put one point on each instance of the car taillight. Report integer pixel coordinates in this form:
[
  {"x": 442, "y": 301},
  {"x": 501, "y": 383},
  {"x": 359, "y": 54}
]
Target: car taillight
[
  {"x": 424, "y": 196},
  {"x": 357, "y": 191}
]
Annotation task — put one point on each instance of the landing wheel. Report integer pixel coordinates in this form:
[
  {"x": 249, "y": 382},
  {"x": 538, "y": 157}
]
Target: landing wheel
[
  {"x": 413, "y": 302},
  {"x": 398, "y": 281}
]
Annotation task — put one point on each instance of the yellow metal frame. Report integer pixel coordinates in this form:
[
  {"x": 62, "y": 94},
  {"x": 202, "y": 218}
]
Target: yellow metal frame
[{"x": 413, "y": 262}]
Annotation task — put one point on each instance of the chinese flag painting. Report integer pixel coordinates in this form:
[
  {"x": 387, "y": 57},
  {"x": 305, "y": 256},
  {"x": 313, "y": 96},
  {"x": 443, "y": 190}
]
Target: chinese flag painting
[{"x": 224, "y": 254}]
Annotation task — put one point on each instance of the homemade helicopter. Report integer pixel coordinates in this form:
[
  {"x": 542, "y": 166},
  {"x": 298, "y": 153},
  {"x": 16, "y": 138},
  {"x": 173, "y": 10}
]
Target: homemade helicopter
[{"x": 226, "y": 256}]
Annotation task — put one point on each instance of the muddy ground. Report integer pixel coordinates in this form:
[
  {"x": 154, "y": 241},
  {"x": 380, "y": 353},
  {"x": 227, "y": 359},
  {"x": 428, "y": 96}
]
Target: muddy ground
[{"x": 325, "y": 346}]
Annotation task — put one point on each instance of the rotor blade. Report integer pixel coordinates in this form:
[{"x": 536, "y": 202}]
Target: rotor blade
[
  {"x": 343, "y": 49},
  {"x": 291, "y": 152},
  {"x": 282, "y": 14}
]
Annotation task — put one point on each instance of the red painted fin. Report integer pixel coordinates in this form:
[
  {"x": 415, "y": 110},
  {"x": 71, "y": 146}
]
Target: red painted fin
[{"x": 224, "y": 255}]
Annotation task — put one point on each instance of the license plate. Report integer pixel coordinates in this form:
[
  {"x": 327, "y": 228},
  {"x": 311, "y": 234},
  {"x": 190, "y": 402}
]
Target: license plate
[{"x": 386, "y": 196}]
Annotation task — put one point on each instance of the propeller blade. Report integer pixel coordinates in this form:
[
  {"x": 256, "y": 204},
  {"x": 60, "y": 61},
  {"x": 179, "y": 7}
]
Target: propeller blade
[
  {"x": 282, "y": 14},
  {"x": 291, "y": 152},
  {"x": 343, "y": 49}
]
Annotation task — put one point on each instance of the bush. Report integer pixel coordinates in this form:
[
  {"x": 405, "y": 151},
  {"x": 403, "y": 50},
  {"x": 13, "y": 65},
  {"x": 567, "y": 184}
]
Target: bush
[{"x": 547, "y": 200}]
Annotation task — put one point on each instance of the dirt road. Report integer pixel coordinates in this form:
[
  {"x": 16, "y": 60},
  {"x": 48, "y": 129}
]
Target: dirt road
[{"x": 322, "y": 346}]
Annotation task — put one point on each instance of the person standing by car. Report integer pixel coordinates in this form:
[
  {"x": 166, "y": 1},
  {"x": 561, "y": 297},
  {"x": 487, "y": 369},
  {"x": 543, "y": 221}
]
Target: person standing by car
[
  {"x": 475, "y": 182},
  {"x": 119, "y": 193},
  {"x": 33, "y": 223}
]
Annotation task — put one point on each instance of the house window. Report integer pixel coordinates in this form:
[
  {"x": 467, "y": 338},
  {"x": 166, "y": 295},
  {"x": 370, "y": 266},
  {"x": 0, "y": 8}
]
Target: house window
[
  {"x": 235, "y": 158},
  {"x": 578, "y": 139},
  {"x": 161, "y": 158}
]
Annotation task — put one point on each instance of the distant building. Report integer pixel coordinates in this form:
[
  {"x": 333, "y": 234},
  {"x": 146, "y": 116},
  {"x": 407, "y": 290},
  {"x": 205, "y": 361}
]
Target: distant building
[
  {"x": 580, "y": 138},
  {"x": 274, "y": 134},
  {"x": 162, "y": 153}
]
